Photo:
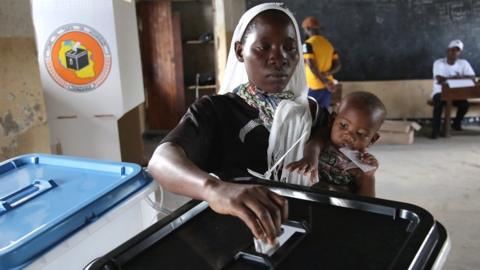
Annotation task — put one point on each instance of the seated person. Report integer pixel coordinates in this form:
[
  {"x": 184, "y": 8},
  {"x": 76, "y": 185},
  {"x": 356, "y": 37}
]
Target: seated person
[
  {"x": 354, "y": 126},
  {"x": 450, "y": 67}
]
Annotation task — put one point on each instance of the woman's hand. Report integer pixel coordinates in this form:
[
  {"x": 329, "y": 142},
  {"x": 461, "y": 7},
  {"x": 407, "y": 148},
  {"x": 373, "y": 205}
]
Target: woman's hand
[{"x": 262, "y": 210}]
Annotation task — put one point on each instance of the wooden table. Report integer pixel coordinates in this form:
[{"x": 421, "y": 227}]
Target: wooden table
[{"x": 451, "y": 94}]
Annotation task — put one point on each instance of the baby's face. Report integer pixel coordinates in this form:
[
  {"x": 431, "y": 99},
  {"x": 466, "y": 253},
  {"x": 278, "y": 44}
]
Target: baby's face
[{"x": 354, "y": 128}]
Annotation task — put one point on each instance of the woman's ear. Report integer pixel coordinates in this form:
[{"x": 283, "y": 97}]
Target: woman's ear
[{"x": 239, "y": 51}]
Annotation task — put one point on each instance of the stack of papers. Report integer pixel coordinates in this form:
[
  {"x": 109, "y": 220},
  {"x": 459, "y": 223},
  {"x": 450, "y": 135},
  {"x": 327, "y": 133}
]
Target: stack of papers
[{"x": 457, "y": 83}]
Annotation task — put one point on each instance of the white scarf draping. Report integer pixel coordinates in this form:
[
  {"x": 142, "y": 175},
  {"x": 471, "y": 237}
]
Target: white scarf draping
[{"x": 291, "y": 118}]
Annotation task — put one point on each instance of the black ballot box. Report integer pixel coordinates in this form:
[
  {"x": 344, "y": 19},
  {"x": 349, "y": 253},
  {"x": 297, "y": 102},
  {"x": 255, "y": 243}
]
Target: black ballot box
[
  {"x": 338, "y": 231},
  {"x": 77, "y": 59}
]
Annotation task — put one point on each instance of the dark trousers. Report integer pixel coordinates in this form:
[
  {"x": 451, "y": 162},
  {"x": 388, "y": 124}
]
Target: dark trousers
[
  {"x": 322, "y": 96},
  {"x": 438, "y": 104}
]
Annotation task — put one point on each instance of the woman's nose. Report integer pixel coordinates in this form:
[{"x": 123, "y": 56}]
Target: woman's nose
[{"x": 278, "y": 56}]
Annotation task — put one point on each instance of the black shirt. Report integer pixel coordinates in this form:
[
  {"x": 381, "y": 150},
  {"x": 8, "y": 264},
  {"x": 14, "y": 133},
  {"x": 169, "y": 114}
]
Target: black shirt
[{"x": 209, "y": 135}]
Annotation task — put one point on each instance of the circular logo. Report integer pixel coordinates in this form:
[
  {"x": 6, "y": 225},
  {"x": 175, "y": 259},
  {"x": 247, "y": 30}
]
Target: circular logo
[{"x": 77, "y": 57}]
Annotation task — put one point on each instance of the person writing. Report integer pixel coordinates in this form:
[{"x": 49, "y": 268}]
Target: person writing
[
  {"x": 451, "y": 67},
  {"x": 354, "y": 126},
  {"x": 262, "y": 109},
  {"x": 321, "y": 62}
]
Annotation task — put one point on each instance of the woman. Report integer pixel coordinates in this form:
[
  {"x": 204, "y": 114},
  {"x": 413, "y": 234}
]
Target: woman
[{"x": 262, "y": 111}]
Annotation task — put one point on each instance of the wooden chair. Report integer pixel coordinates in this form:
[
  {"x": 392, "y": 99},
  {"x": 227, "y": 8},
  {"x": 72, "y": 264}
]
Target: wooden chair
[{"x": 451, "y": 94}]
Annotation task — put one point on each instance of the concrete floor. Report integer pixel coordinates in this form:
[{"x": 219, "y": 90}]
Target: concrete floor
[{"x": 442, "y": 176}]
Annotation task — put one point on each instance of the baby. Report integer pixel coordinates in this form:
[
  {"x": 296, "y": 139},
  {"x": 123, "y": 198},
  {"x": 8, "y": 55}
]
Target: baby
[{"x": 353, "y": 127}]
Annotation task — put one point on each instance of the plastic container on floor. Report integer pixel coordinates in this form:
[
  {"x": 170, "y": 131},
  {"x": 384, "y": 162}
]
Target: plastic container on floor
[{"x": 58, "y": 211}]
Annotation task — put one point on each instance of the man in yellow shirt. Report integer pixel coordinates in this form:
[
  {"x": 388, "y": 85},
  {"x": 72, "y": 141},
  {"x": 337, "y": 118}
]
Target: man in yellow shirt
[{"x": 321, "y": 62}]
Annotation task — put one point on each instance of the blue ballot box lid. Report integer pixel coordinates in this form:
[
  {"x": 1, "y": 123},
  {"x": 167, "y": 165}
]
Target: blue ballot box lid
[{"x": 45, "y": 198}]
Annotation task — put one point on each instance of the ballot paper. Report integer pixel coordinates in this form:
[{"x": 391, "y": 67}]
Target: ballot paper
[
  {"x": 457, "y": 83},
  {"x": 287, "y": 230},
  {"x": 354, "y": 156},
  {"x": 264, "y": 247}
]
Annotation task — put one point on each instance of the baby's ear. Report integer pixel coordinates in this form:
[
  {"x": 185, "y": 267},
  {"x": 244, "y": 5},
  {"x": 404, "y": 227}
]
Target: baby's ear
[
  {"x": 239, "y": 51},
  {"x": 374, "y": 138}
]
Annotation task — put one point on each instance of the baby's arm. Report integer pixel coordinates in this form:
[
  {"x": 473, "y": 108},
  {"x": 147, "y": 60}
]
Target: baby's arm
[
  {"x": 311, "y": 151},
  {"x": 309, "y": 163},
  {"x": 365, "y": 181}
]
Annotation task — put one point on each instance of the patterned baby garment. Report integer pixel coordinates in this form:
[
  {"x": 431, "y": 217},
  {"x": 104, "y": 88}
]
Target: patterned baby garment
[{"x": 333, "y": 167}]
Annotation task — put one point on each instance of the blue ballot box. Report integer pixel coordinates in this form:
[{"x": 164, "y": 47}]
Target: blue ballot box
[{"x": 59, "y": 211}]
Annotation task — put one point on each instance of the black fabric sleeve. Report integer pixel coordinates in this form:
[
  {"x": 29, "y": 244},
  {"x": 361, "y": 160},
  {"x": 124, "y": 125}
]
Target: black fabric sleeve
[
  {"x": 321, "y": 120},
  {"x": 320, "y": 115},
  {"x": 195, "y": 133}
]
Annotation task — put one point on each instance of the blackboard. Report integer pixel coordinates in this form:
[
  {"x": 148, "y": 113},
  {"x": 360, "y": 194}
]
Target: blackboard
[{"x": 393, "y": 39}]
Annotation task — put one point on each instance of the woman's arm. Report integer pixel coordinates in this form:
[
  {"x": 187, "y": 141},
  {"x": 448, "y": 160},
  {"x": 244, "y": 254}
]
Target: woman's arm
[
  {"x": 318, "y": 140},
  {"x": 311, "y": 151},
  {"x": 262, "y": 210}
]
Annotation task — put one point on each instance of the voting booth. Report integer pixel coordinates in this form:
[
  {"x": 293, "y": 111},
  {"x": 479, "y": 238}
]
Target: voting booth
[{"x": 90, "y": 69}]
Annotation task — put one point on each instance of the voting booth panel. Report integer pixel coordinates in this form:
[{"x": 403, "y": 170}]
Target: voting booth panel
[{"x": 90, "y": 70}]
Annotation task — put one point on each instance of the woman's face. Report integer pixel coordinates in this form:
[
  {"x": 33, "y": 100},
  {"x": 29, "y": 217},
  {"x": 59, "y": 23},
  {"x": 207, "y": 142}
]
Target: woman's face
[{"x": 269, "y": 52}]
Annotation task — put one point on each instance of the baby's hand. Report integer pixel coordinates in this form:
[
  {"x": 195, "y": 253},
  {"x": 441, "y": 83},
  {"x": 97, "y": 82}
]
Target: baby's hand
[
  {"x": 305, "y": 166},
  {"x": 369, "y": 159}
]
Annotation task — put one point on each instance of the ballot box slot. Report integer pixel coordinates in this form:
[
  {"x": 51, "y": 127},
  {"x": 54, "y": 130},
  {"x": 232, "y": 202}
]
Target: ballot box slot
[{"x": 292, "y": 234}]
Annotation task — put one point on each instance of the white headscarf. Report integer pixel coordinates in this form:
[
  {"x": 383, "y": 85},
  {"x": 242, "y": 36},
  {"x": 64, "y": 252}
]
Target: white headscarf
[{"x": 291, "y": 118}]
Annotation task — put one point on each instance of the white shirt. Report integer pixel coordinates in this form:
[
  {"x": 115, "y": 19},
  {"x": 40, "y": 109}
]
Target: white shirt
[{"x": 461, "y": 67}]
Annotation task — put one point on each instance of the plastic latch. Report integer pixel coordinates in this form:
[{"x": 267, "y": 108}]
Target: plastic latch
[{"x": 25, "y": 194}]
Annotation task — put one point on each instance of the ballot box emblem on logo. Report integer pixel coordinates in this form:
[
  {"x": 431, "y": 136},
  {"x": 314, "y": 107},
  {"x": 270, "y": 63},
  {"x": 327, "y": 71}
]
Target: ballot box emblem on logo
[{"x": 77, "y": 57}]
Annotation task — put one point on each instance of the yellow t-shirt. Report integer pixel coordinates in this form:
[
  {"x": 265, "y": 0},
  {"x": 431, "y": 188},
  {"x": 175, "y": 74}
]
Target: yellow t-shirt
[{"x": 319, "y": 48}]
